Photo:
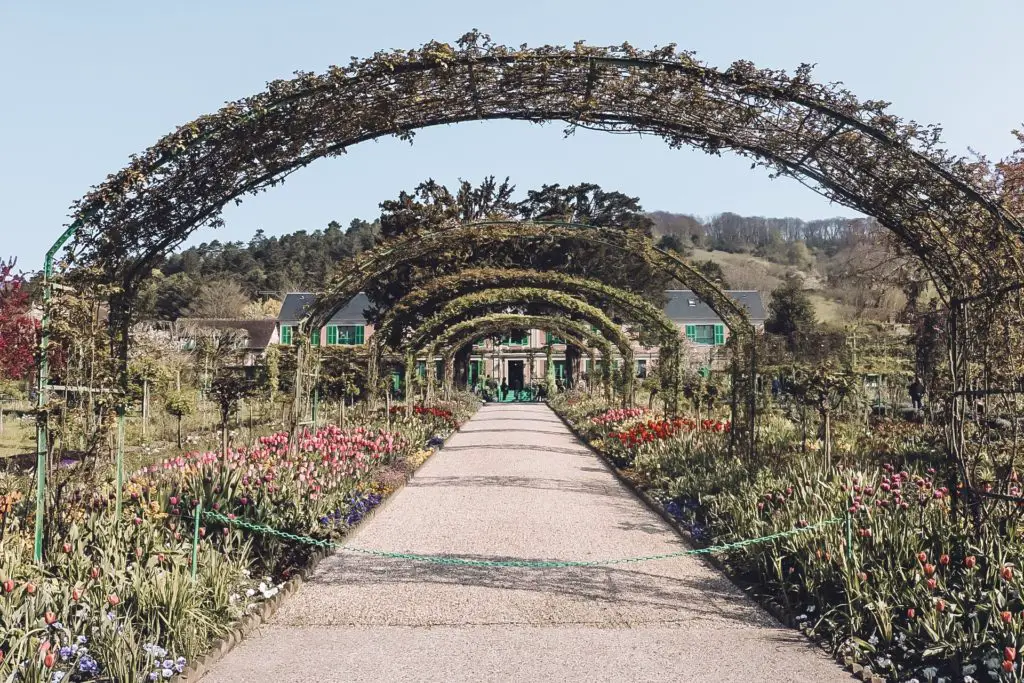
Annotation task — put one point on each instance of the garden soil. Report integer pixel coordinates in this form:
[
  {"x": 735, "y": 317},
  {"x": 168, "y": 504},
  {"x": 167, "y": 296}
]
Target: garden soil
[{"x": 514, "y": 483}]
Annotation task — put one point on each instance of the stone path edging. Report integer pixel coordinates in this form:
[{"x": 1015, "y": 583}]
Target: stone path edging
[
  {"x": 772, "y": 607},
  {"x": 220, "y": 647}
]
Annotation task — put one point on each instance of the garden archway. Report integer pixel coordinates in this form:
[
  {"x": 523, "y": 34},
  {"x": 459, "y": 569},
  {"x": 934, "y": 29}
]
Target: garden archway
[
  {"x": 498, "y": 323},
  {"x": 852, "y": 152},
  {"x": 438, "y": 291},
  {"x": 481, "y": 303}
]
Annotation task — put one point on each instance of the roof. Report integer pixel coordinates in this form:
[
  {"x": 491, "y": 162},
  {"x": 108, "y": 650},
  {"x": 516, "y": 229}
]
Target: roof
[
  {"x": 295, "y": 304},
  {"x": 258, "y": 332},
  {"x": 684, "y": 305}
]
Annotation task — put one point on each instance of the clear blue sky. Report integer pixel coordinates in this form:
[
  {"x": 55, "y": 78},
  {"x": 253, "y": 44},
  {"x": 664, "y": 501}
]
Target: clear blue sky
[{"x": 86, "y": 84}]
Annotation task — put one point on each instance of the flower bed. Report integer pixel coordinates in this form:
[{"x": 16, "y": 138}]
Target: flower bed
[
  {"x": 917, "y": 594},
  {"x": 116, "y": 599}
]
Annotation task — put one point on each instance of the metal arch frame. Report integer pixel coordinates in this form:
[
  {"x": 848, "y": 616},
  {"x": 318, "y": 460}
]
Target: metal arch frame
[
  {"x": 378, "y": 261},
  {"x": 463, "y": 332},
  {"x": 473, "y": 305},
  {"x": 382, "y": 259},
  {"x": 102, "y": 211},
  {"x": 443, "y": 288},
  {"x": 290, "y": 99}
]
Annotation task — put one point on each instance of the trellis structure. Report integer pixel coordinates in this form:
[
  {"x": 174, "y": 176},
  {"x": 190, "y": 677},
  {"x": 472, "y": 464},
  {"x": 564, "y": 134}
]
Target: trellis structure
[
  {"x": 434, "y": 294},
  {"x": 437, "y": 294},
  {"x": 481, "y": 303},
  {"x": 852, "y": 152},
  {"x": 464, "y": 332},
  {"x": 378, "y": 262}
]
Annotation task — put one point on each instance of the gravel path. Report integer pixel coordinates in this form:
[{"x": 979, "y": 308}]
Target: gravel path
[{"x": 514, "y": 483}]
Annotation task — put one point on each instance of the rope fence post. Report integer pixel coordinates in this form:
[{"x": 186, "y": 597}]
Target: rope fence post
[
  {"x": 198, "y": 514},
  {"x": 849, "y": 533}
]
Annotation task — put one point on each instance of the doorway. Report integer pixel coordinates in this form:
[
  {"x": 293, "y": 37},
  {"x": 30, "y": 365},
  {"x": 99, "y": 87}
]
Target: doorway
[{"x": 516, "y": 377}]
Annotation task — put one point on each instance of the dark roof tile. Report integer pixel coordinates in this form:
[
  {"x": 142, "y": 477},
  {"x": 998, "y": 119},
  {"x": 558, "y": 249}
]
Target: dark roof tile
[
  {"x": 295, "y": 304},
  {"x": 685, "y": 306}
]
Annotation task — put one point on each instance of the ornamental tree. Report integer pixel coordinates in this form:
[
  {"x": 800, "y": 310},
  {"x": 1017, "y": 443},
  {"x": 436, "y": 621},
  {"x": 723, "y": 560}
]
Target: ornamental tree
[{"x": 17, "y": 328}]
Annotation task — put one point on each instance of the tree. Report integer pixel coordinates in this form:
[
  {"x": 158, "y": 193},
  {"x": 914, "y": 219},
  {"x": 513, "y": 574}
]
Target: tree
[
  {"x": 230, "y": 386},
  {"x": 179, "y": 404},
  {"x": 221, "y": 298},
  {"x": 712, "y": 270},
  {"x": 673, "y": 243},
  {"x": 790, "y": 310},
  {"x": 17, "y": 328}
]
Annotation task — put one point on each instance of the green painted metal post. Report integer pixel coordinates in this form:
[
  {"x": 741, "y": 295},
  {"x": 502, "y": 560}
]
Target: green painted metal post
[
  {"x": 849, "y": 534},
  {"x": 42, "y": 382},
  {"x": 119, "y": 462},
  {"x": 195, "y": 537},
  {"x": 316, "y": 406}
]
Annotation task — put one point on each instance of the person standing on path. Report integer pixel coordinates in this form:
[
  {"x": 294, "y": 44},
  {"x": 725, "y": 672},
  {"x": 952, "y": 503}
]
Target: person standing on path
[
  {"x": 504, "y": 390},
  {"x": 916, "y": 390}
]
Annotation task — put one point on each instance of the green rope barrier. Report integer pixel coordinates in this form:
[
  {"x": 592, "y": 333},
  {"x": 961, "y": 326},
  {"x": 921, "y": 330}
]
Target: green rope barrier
[{"x": 531, "y": 564}]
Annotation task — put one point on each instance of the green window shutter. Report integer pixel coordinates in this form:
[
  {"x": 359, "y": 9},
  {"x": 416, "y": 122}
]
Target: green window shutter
[
  {"x": 286, "y": 334},
  {"x": 360, "y": 335},
  {"x": 332, "y": 335},
  {"x": 691, "y": 332},
  {"x": 315, "y": 338},
  {"x": 719, "y": 335}
]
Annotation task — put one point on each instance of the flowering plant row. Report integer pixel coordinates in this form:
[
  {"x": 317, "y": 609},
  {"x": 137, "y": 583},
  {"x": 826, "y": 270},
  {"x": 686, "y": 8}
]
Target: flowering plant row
[
  {"x": 918, "y": 594},
  {"x": 660, "y": 430},
  {"x": 116, "y": 600}
]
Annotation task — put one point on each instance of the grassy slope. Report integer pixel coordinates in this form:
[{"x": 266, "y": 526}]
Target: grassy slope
[{"x": 745, "y": 271}]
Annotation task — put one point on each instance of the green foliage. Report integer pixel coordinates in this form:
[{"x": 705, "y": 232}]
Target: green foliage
[
  {"x": 228, "y": 389},
  {"x": 713, "y": 271},
  {"x": 790, "y": 310},
  {"x": 180, "y": 404}
]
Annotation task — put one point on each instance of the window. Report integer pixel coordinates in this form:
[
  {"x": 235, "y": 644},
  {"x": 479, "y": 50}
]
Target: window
[
  {"x": 476, "y": 372},
  {"x": 286, "y": 334},
  {"x": 552, "y": 339},
  {"x": 315, "y": 338},
  {"x": 347, "y": 335},
  {"x": 712, "y": 335},
  {"x": 641, "y": 368},
  {"x": 421, "y": 369},
  {"x": 516, "y": 338}
]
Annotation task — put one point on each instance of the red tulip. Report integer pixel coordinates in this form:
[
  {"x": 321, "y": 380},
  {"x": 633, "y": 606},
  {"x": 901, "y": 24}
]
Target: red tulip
[
  {"x": 922, "y": 557},
  {"x": 94, "y": 573},
  {"x": 49, "y": 659},
  {"x": 8, "y": 586},
  {"x": 929, "y": 569},
  {"x": 174, "y": 500},
  {"x": 49, "y": 618},
  {"x": 113, "y": 600},
  {"x": 1006, "y": 573},
  {"x": 932, "y": 583},
  {"x": 67, "y": 548},
  {"x": 1007, "y": 665},
  {"x": 862, "y": 576},
  {"x": 1010, "y": 653},
  {"x": 76, "y": 594},
  {"x": 940, "y": 605},
  {"x": 970, "y": 561},
  {"x": 944, "y": 560},
  {"x": 911, "y": 613},
  {"x": 1006, "y": 617},
  {"x": 30, "y": 588}
]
